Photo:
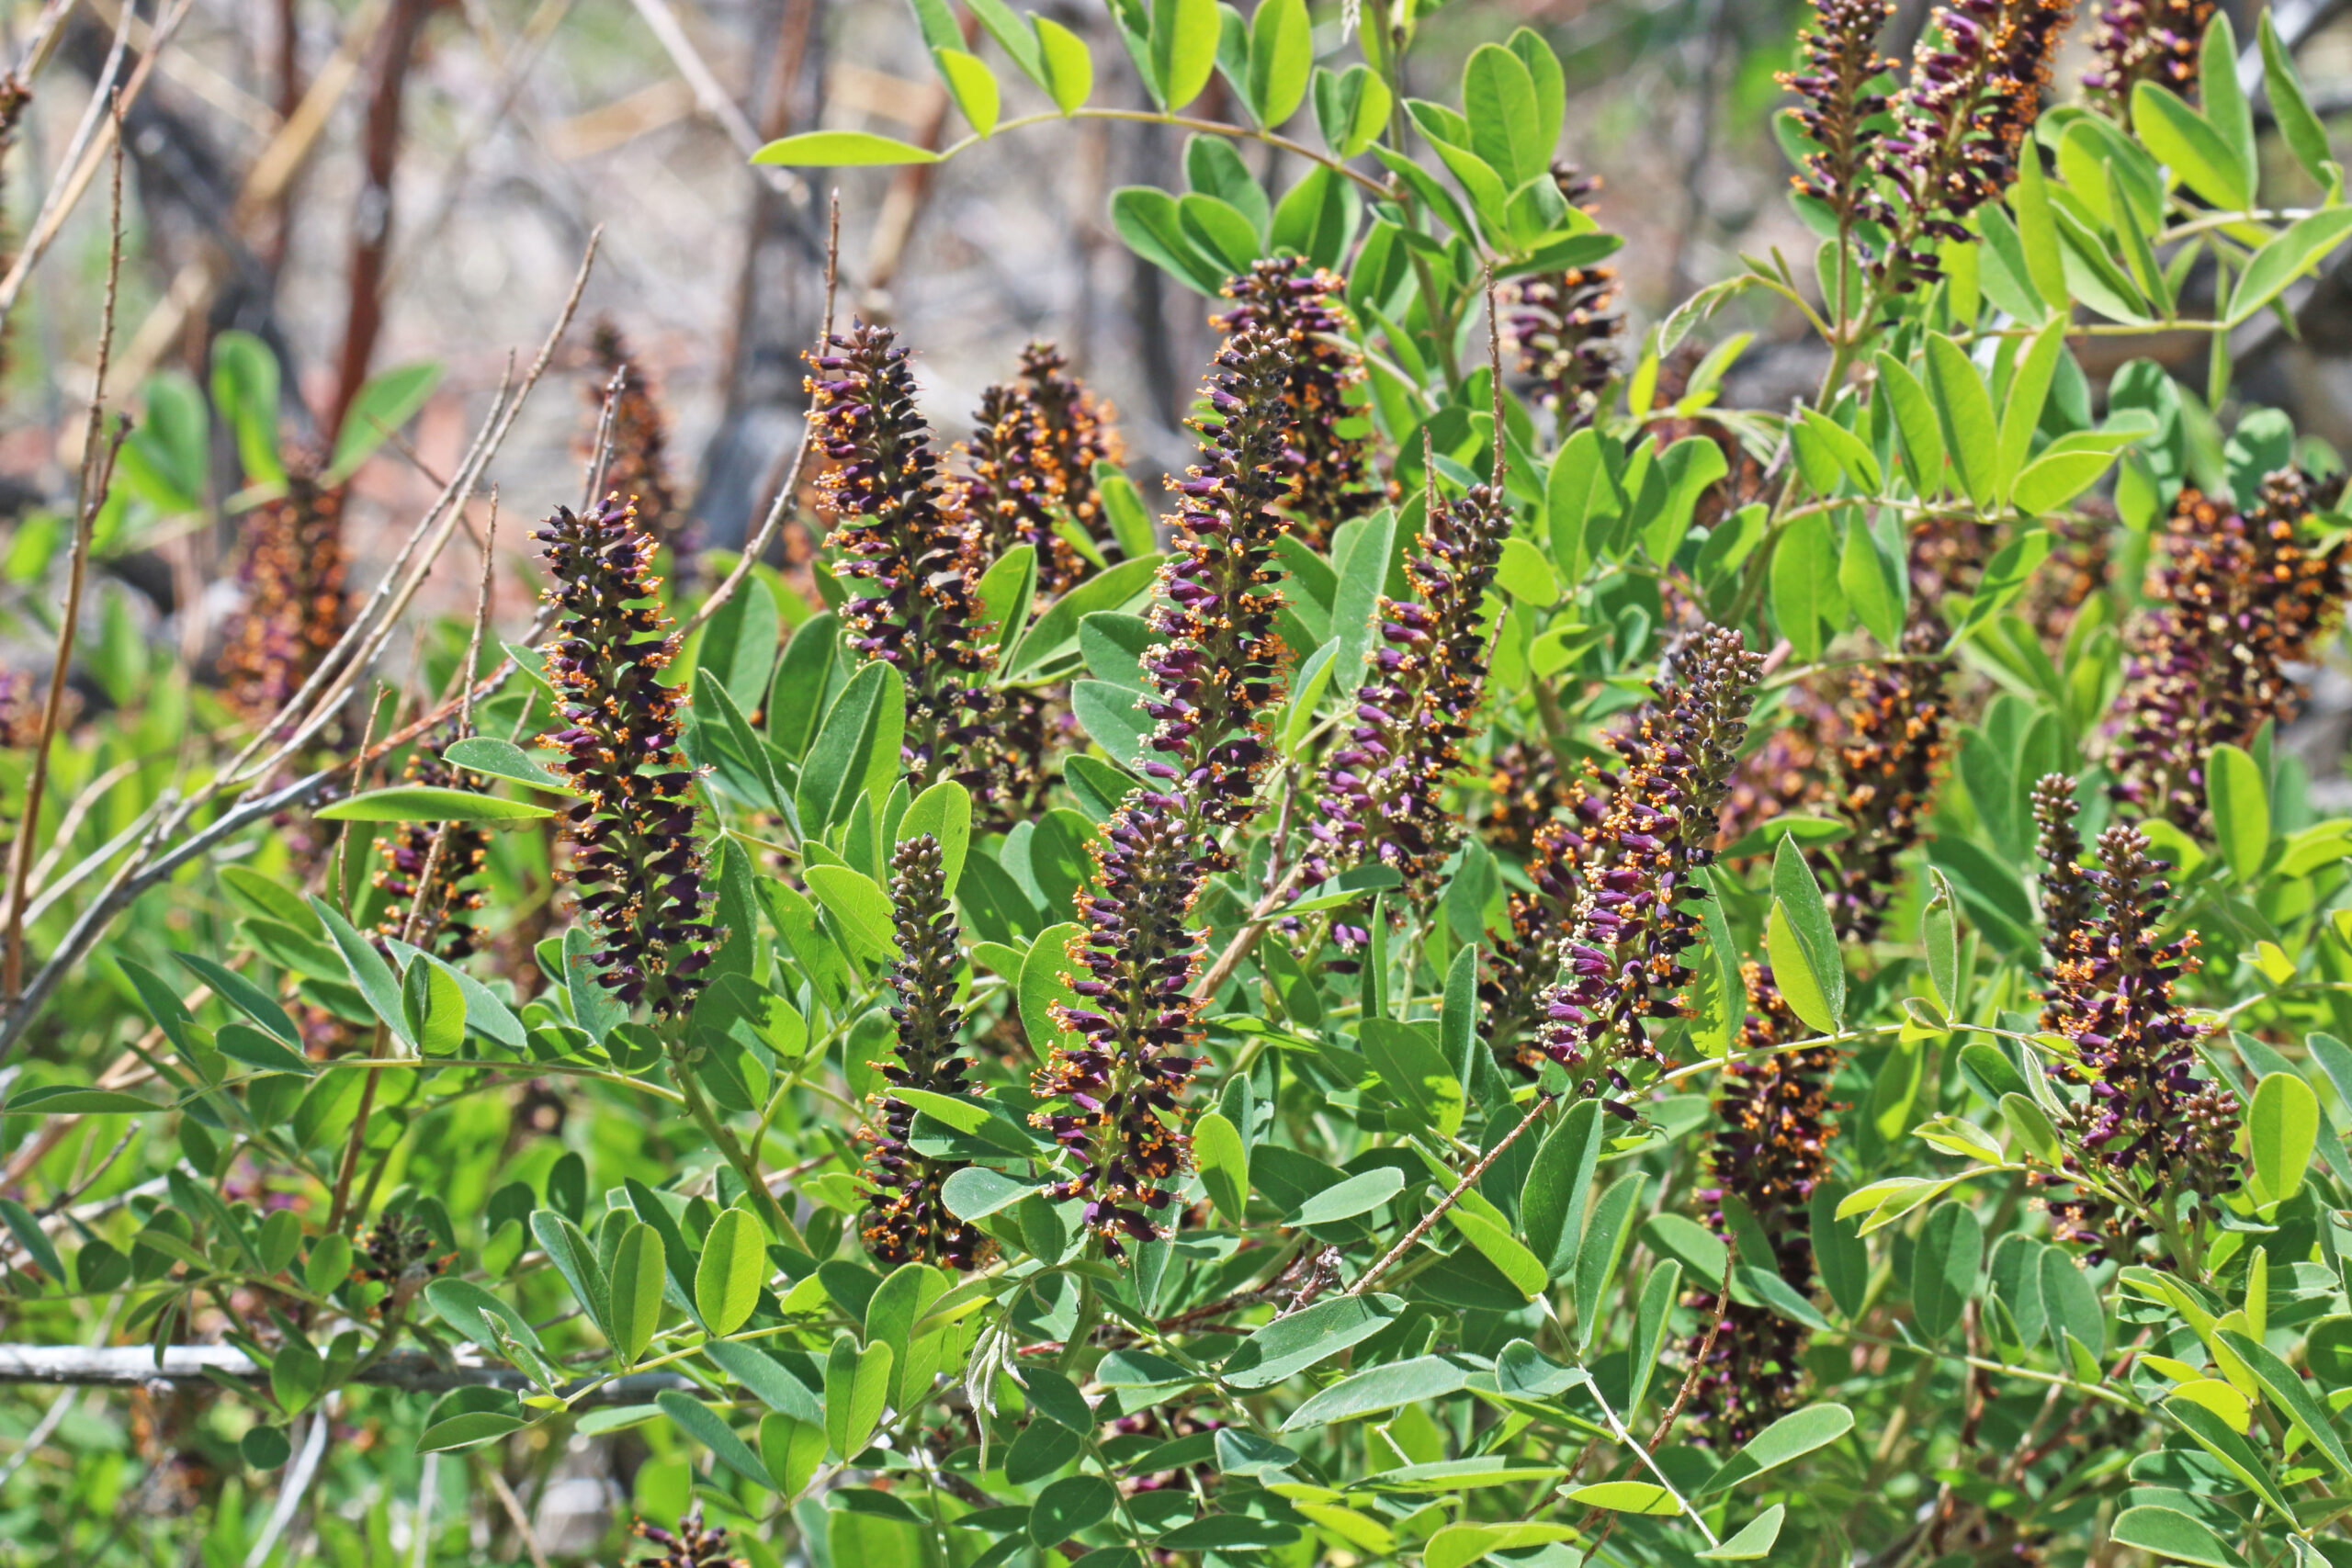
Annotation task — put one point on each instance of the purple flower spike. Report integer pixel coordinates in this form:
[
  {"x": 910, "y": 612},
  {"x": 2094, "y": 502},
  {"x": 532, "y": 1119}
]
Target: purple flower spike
[{"x": 618, "y": 725}]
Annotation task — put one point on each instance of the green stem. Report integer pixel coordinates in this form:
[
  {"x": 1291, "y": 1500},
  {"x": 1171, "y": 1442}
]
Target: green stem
[{"x": 779, "y": 1224}]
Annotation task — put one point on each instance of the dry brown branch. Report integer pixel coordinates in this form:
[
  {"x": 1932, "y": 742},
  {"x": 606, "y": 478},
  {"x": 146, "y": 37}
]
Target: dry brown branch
[{"x": 98, "y": 473}]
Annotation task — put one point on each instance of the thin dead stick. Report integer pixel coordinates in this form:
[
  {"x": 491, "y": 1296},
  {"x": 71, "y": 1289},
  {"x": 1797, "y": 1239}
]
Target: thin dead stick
[
  {"x": 36, "y": 51},
  {"x": 98, "y": 473},
  {"x": 481, "y": 617},
  {"x": 1495, "y": 374},
  {"x": 297, "y": 1484},
  {"x": 514, "y": 1507},
  {"x": 280, "y": 161},
  {"x": 67, "y": 194},
  {"x": 385, "y": 603},
  {"x": 600, "y": 451},
  {"x": 789, "y": 490},
  {"x": 1214, "y": 977},
  {"x": 1469, "y": 1179},
  {"x": 709, "y": 97}
]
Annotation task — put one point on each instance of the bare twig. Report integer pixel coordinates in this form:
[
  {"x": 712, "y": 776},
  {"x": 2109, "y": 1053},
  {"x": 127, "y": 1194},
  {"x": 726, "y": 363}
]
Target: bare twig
[
  {"x": 514, "y": 1507},
  {"x": 709, "y": 97},
  {"x": 1469, "y": 1179},
  {"x": 291, "y": 1491},
  {"x": 98, "y": 474},
  {"x": 87, "y": 148}
]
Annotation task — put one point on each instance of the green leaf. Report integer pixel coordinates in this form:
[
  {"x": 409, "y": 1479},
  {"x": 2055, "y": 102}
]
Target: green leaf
[
  {"x": 2187, "y": 143},
  {"x": 1792, "y": 1436},
  {"x": 1605, "y": 1235},
  {"x": 1499, "y": 101},
  {"x": 2021, "y": 407},
  {"x": 246, "y": 388},
  {"x": 381, "y": 406},
  {"x": 790, "y": 1451},
  {"x": 368, "y": 969},
  {"x": 1346, "y": 1200},
  {"x": 2301, "y": 129},
  {"x": 1552, "y": 1202},
  {"x": 1150, "y": 222},
  {"x": 944, "y": 811},
  {"x": 1224, "y": 1164},
  {"x": 1806, "y": 605},
  {"x": 2286, "y": 257},
  {"x": 1005, "y": 593},
  {"x": 1281, "y": 54},
  {"x": 2240, "y": 803},
  {"x": 709, "y": 1428},
  {"x": 466, "y": 1416},
  {"x": 976, "y": 1191},
  {"x": 1290, "y": 1345},
  {"x": 1874, "y": 585},
  {"x": 1966, "y": 409},
  {"x": 2282, "y": 1131},
  {"x": 1500, "y": 1247},
  {"x": 1183, "y": 48},
  {"x": 2292, "y": 1396},
  {"x": 1067, "y": 64},
  {"x": 73, "y": 1100},
  {"x": 856, "y": 747},
  {"x": 973, "y": 87},
  {"x": 1915, "y": 417},
  {"x": 634, "y": 1291},
  {"x": 1045, "y": 980},
  {"x": 1799, "y": 912},
  {"x": 1074, "y": 1503},
  {"x": 425, "y": 802},
  {"x": 1944, "y": 1266},
  {"x": 857, "y": 1386},
  {"x": 2038, "y": 231},
  {"x": 2237, "y": 1456},
  {"x": 726, "y": 1280},
  {"x": 1415, "y": 1072},
  {"x": 1841, "y": 448},
  {"x": 2172, "y": 1534},
  {"x": 1753, "y": 1541},
  {"x": 502, "y": 759},
  {"x": 2057, "y": 477},
  {"x": 2225, "y": 107},
  {"x": 1627, "y": 1497},
  {"x": 840, "y": 150},
  {"x": 1416, "y": 1382}
]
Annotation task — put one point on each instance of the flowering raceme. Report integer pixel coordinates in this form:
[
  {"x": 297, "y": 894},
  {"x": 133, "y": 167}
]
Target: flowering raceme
[
  {"x": 639, "y": 467},
  {"x": 2146, "y": 40},
  {"x": 906, "y": 1221},
  {"x": 295, "y": 608},
  {"x": 1527, "y": 960},
  {"x": 692, "y": 1545},
  {"x": 632, "y": 833},
  {"x": 1325, "y": 465},
  {"x": 438, "y": 906},
  {"x": 899, "y": 532},
  {"x": 1121, "y": 1082},
  {"x": 1116, "y": 1089},
  {"x": 1961, "y": 124},
  {"x": 1381, "y": 793},
  {"x": 2240, "y": 600},
  {"x": 2147, "y": 1123},
  {"x": 1895, "y": 743},
  {"x": 1838, "y": 103},
  {"x": 1031, "y": 463},
  {"x": 1219, "y": 659},
  {"x": 1640, "y": 864},
  {"x": 1563, "y": 326},
  {"x": 1770, "y": 1150}
]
